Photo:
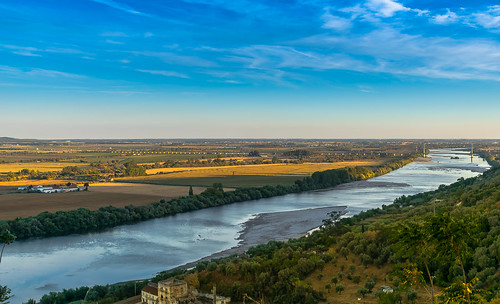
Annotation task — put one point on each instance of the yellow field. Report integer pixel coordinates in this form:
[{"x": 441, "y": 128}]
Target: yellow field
[
  {"x": 263, "y": 170},
  {"x": 41, "y": 166}
]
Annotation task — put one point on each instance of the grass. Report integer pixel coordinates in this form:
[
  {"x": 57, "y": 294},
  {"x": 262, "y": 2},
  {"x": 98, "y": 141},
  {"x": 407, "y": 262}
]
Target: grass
[
  {"x": 240, "y": 176},
  {"x": 226, "y": 180},
  {"x": 320, "y": 278}
]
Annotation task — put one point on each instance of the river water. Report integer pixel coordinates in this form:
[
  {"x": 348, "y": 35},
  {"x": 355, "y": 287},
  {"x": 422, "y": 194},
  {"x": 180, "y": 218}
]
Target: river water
[{"x": 32, "y": 268}]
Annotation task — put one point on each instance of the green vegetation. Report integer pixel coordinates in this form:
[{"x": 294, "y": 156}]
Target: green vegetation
[
  {"x": 91, "y": 160},
  {"x": 230, "y": 181},
  {"x": 440, "y": 246},
  {"x": 6, "y": 238},
  {"x": 83, "y": 220}
]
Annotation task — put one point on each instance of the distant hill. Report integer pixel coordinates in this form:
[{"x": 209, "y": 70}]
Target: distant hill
[{"x": 8, "y": 139}]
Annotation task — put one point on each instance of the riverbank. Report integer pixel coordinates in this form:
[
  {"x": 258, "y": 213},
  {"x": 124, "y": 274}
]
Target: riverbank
[
  {"x": 141, "y": 250},
  {"x": 275, "y": 226},
  {"x": 85, "y": 220}
]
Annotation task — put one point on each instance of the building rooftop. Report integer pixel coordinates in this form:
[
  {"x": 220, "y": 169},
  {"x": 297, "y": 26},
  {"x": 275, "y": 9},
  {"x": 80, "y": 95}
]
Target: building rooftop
[
  {"x": 151, "y": 290},
  {"x": 172, "y": 282}
]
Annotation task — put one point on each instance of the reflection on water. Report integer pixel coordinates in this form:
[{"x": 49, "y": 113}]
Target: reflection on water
[{"x": 32, "y": 268}]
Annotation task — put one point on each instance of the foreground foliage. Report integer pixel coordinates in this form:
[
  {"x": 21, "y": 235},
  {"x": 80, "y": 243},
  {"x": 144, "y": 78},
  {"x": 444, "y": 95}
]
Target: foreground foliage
[{"x": 441, "y": 246}]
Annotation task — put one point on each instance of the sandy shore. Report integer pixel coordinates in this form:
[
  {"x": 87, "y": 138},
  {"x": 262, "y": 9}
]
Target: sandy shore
[
  {"x": 422, "y": 159},
  {"x": 473, "y": 169},
  {"x": 366, "y": 184},
  {"x": 276, "y": 226}
]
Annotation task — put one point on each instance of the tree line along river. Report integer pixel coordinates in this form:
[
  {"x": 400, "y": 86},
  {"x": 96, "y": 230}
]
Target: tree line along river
[{"x": 34, "y": 267}]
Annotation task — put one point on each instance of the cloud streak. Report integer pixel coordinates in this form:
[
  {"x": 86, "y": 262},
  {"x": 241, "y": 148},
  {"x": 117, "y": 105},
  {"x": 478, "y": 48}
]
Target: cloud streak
[
  {"x": 164, "y": 73},
  {"x": 121, "y": 7}
]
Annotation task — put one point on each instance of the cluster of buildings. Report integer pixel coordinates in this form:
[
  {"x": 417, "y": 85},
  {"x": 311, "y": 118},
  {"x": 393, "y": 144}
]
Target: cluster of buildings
[
  {"x": 175, "y": 291},
  {"x": 50, "y": 189}
]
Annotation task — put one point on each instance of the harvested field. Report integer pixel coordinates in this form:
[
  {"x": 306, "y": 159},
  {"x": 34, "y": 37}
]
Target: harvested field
[
  {"x": 241, "y": 176},
  {"x": 265, "y": 169},
  {"x": 41, "y": 166},
  {"x": 25, "y": 182},
  {"x": 14, "y": 205}
]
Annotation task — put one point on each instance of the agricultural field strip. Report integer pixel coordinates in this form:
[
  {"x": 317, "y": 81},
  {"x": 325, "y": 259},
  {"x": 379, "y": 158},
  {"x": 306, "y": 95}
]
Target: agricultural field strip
[
  {"x": 41, "y": 166},
  {"x": 263, "y": 169},
  {"x": 13, "y": 204}
]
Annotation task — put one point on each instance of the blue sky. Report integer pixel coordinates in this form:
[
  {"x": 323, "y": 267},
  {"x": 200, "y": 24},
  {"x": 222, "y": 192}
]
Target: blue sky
[{"x": 249, "y": 69}]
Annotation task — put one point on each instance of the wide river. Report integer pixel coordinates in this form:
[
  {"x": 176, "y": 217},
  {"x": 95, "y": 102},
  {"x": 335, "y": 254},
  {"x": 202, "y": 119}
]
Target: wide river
[{"x": 32, "y": 268}]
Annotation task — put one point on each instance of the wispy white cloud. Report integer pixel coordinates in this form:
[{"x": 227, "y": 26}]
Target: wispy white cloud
[
  {"x": 22, "y": 50},
  {"x": 51, "y": 73},
  {"x": 122, "y": 7},
  {"x": 63, "y": 50},
  {"x": 36, "y": 72},
  {"x": 388, "y": 50},
  {"x": 164, "y": 73},
  {"x": 489, "y": 19},
  {"x": 449, "y": 17},
  {"x": 335, "y": 22},
  {"x": 36, "y": 52},
  {"x": 114, "y": 41},
  {"x": 385, "y": 8},
  {"x": 114, "y": 34},
  {"x": 176, "y": 59}
]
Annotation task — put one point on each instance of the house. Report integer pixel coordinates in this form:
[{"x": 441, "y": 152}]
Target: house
[
  {"x": 149, "y": 294},
  {"x": 44, "y": 189},
  {"x": 72, "y": 188},
  {"x": 175, "y": 291}
]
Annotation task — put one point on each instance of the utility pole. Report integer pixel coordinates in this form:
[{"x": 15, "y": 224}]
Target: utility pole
[
  {"x": 214, "y": 294},
  {"x": 471, "y": 153}
]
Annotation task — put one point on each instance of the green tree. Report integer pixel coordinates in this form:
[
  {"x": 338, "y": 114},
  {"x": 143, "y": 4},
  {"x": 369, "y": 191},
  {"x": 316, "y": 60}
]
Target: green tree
[
  {"x": 413, "y": 242},
  {"x": 363, "y": 291},
  {"x": 335, "y": 280},
  {"x": 369, "y": 284},
  {"x": 4, "y": 294},
  {"x": 453, "y": 237},
  {"x": 6, "y": 238},
  {"x": 328, "y": 287},
  {"x": 339, "y": 288},
  {"x": 411, "y": 295}
]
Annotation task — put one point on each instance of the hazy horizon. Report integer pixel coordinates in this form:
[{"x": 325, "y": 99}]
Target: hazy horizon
[{"x": 378, "y": 69}]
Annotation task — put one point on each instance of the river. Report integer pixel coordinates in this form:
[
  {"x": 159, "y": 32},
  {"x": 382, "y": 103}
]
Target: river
[{"x": 32, "y": 268}]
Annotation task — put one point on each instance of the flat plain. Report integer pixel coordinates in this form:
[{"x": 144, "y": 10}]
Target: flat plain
[
  {"x": 14, "y": 204},
  {"x": 241, "y": 176}
]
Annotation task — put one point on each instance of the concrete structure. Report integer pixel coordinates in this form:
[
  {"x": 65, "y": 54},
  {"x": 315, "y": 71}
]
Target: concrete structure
[
  {"x": 149, "y": 294},
  {"x": 175, "y": 291}
]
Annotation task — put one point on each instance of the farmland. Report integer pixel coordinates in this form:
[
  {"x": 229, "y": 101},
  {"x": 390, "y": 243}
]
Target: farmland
[
  {"x": 241, "y": 176},
  {"x": 14, "y": 204},
  {"x": 145, "y": 171},
  {"x": 40, "y": 166}
]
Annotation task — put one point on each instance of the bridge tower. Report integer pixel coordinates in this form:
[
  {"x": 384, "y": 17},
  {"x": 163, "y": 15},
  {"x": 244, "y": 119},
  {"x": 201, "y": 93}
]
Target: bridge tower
[{"x": 471, "y": 153}]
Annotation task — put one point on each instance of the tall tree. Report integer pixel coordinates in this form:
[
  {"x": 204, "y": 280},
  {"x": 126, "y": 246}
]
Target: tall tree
[
  {"x": 452, "y": 237},
  {"x": 412, "y": 242},
  {"x": 6, "y": 238}
]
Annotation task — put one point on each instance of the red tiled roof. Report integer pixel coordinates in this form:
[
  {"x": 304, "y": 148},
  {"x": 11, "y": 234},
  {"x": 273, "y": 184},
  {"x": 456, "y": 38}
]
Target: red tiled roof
[{"x": 151, "y": 290}]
